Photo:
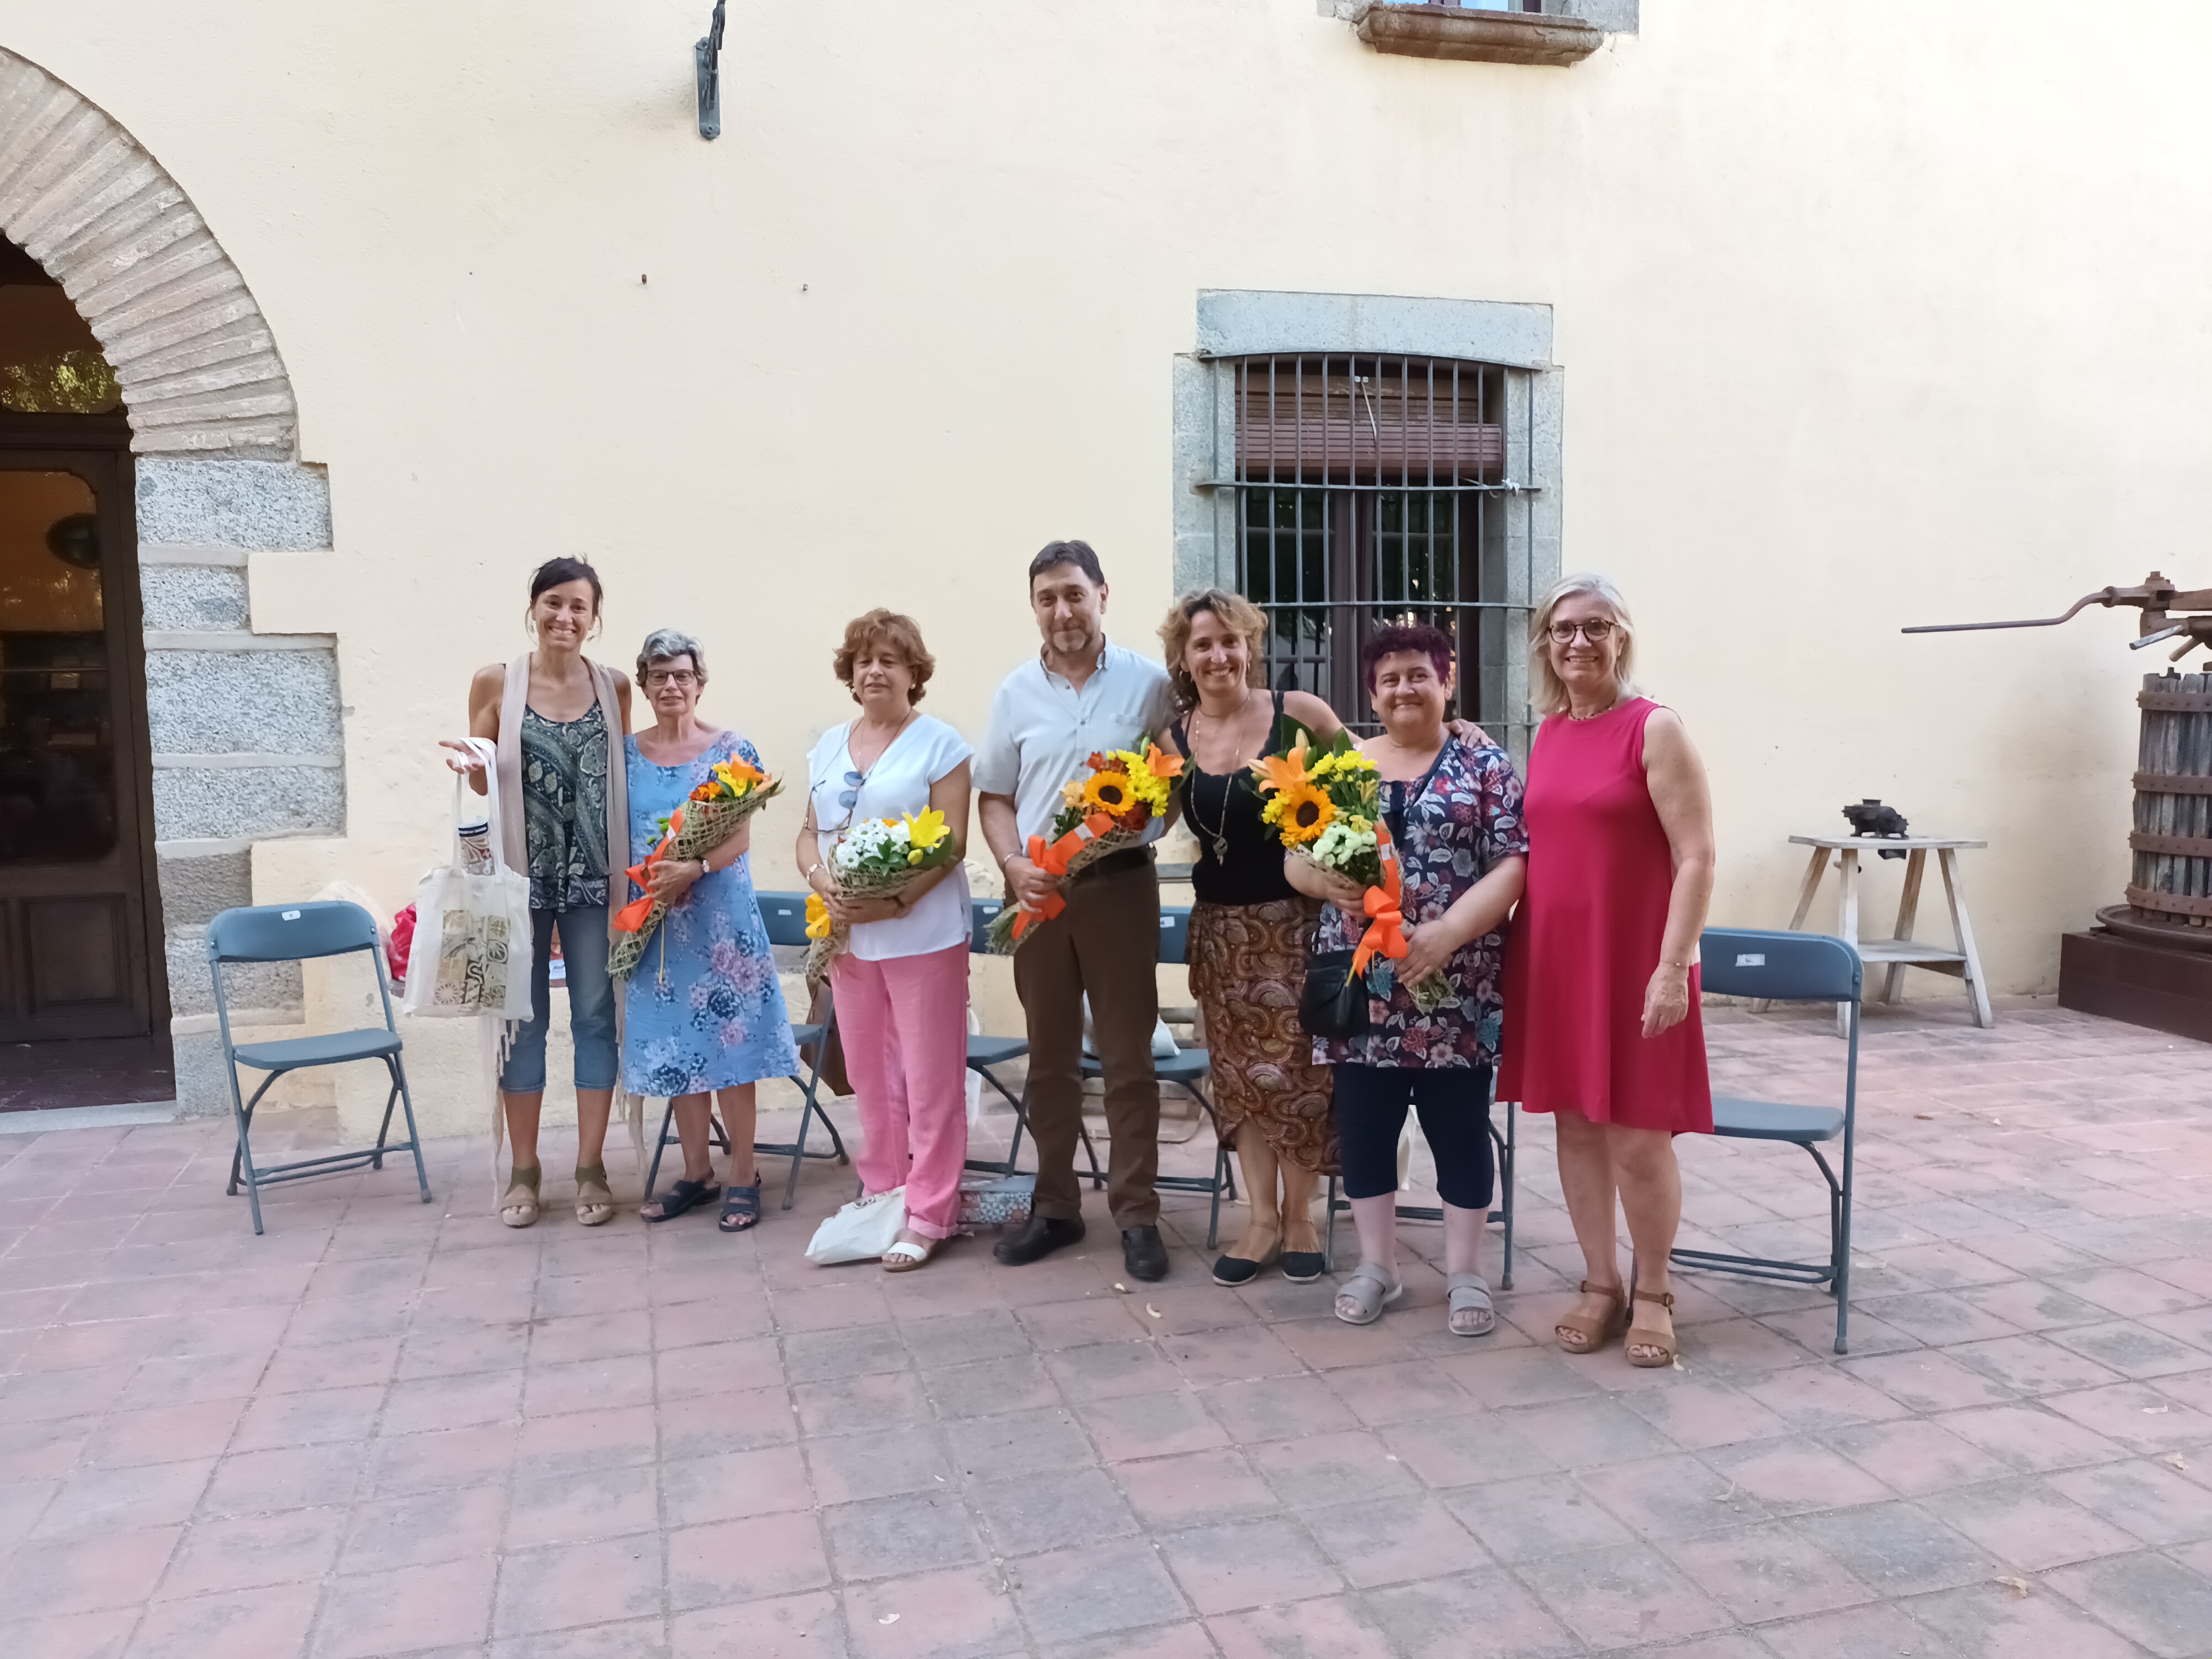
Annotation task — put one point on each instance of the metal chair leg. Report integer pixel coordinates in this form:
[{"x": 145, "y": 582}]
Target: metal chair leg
[
  {"x": 660, "y": 1145},
  {"x": 383, "y": 1130},
  {"x": 1328, "y": 1244},
  {"x": 414, "y": 1134}
]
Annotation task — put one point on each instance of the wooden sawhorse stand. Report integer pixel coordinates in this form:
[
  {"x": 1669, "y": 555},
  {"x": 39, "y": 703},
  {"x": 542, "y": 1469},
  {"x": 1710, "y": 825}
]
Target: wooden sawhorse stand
[{"x": 1902, "y": 951}]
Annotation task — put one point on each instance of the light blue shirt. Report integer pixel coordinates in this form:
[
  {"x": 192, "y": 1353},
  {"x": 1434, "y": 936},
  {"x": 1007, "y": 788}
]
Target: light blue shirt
[{"x": 1042, "y": 729}]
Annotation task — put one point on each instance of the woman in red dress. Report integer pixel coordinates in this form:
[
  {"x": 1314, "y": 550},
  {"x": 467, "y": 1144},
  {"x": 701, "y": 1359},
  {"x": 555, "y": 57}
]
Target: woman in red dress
[{"x": 1601, "y": 1025}]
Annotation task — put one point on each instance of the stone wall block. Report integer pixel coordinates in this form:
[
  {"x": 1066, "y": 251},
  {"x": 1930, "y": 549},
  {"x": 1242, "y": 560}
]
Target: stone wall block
[
  {"x": 252, "y": 703},
  {"x": 248, "y": 338},
  {"x": 181, "y": 597},
  {"x": 45, "y": 150},
  {"x": 257, "y": 986},
  {"x": 202, "y": 1084},
  {"x": 158, "y": 333},
  {"x": 191, "y": 288},
  {"x": 109, "y": 210},
  {"x": 89, "y": 155},
  {"x": 37, "y": 103},
  {"x": 261, "y": 399},
  {"x": 261, "y": 505},
  {"x": 186, "y": 260},
  {"x": 228, "y": 803},
  {"x": 196, "y": 886},
  {"x": 230, "y": 376},
  {"x": 267, "y": 440}
]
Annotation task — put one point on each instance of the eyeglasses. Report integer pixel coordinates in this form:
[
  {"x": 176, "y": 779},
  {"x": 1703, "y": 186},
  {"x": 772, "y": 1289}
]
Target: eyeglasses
[
  {"x": 676, "y": 676},
  {"x": 1597, "y": 631}
]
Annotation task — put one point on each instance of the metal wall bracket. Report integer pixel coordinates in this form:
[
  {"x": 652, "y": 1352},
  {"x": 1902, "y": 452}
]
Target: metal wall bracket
[{"x": 707, "y": 54}]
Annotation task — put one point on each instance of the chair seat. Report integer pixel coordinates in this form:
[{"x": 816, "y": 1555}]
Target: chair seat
[
  {"x": 1770, "y": 1120},
  {"x": 327, "y": 1049},
  {"x": 803, "y": 1035},
  {"x": 1186, "y": 1065},
  {"x": 995, "y": 1050}
]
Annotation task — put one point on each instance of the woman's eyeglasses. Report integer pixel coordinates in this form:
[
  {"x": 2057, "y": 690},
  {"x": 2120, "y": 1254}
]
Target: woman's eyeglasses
[
  {"x": 1597, "y": 631},
  {"x": 656, "y": 677}
]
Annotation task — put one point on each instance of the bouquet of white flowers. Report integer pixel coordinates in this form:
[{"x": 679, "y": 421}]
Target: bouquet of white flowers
[{"x": 875, "y": 859}]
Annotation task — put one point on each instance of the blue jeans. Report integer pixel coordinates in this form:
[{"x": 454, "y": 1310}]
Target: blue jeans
[{"x": 590, "y": 1003}]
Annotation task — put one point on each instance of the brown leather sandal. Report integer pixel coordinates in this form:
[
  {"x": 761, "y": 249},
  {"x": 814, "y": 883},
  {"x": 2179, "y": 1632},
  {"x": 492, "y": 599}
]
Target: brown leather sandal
[
  {"x": 1580, "y": 1333},
  {"x": 595, "y": 1200},
  {"x": 1651, "y": 1336}
]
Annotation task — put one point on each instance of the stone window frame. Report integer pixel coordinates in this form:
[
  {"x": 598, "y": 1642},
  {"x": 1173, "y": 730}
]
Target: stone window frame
[
  {"x": 1554, "y": 34},
  {"x": 1238, "y": 322}
]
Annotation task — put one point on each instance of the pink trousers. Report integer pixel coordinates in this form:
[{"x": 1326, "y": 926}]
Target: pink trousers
[{"x": 904, "y": 1026}]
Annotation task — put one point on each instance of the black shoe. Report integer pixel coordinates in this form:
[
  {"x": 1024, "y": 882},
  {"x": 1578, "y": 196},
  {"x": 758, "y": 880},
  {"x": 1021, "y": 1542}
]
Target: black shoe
[
  {"x": 1143, "y": 1253},
  {"x": 1041, "y": 1235},
  {"x": 1235, "y": 1270},
  {"x": 1303, "y": 1266}
]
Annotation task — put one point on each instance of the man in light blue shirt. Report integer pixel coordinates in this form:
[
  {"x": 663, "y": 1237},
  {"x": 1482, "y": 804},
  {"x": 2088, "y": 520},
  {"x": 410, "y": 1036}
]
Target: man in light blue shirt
[{"x": 1080, "y": 694}]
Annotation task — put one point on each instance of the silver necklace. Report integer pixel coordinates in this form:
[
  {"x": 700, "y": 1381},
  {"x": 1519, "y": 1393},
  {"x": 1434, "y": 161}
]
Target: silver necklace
[{"x": 1219, "y": 833}]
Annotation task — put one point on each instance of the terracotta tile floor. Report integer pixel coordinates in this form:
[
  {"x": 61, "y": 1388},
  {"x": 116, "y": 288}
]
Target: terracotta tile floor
[{"x": 389, "y": 1429}]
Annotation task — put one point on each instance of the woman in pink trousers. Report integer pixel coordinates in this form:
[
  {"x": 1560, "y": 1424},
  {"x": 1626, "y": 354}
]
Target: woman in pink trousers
[{"x": 900, "y": 985}]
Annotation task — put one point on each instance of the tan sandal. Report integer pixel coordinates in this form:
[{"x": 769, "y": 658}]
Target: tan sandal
[
  {"x": 1651, "y": 1336},
  {"x": 519, "y": 1207},
  {"x": 595, "y": 1199},
  {"x": 1580, "y": 1333}
]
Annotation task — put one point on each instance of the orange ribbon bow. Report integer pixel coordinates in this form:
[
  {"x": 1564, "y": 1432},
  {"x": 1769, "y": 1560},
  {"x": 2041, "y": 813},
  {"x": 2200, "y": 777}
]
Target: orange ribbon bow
[
  {"x": 631, "y": 916},
  {"x": 1053, "y": 860},
  {"x": 1386, "y": 931}
]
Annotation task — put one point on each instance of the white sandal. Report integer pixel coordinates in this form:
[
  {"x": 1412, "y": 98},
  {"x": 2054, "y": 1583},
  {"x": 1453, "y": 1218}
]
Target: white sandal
[
  {"x": 905, "y": 1255},
  {"x": 1370, "y": 1290},
  {"x": 1469, "y": 1293}
]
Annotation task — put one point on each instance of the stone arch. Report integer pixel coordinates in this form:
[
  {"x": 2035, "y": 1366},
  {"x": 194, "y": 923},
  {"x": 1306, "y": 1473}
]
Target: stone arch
[{"x": 198, "y": 366}]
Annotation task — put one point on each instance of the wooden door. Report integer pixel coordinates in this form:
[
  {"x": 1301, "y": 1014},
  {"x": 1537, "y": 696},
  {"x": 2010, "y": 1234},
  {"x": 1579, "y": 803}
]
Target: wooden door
[{"x": 76, "y": 927}]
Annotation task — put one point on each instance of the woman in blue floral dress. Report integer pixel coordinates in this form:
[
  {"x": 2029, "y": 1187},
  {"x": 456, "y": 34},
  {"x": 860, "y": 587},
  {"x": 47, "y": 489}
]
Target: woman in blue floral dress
[
  {"x": 1454, "y": 811},
  {"x": 705, "y": 1011}
]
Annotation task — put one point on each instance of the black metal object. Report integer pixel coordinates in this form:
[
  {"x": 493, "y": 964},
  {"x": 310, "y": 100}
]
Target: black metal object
[
  {"x": 708, "y": 55},
  {"x": 1871, "y": 817}
]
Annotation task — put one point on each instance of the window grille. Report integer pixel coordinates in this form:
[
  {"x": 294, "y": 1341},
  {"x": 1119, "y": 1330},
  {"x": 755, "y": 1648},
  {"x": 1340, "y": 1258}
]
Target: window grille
[{"x": 1372, "y": 491}]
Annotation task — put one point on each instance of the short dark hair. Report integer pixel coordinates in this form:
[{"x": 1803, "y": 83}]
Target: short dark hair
[
  {"x": 1054, "y": 554},
  {"x": 1397, "y": 639},
  {"x": 554, "y": 572}
]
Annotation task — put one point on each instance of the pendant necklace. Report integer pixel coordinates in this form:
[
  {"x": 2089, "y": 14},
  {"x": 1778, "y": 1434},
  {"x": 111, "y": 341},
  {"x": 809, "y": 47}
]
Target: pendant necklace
[{"x": 1219, "y": 833}]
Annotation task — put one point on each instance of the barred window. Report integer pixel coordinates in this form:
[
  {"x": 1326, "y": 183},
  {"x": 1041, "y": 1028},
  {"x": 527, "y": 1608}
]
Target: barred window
[{"x": 1373, "y": 490}]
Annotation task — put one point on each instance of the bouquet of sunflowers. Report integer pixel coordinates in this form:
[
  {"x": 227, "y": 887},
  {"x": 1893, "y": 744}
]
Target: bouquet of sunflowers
[
  {"x": 876, "y": 858},
  {"x": 1328, "y": 810},
  {"x": 735, "y": 792},
  {"x": 1105, "y": 811}
]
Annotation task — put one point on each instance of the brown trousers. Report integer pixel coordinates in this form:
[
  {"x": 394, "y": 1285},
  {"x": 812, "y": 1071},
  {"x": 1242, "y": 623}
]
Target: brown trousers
[{"x": 1106, "y": 943}]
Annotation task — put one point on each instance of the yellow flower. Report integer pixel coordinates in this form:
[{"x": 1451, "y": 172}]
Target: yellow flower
[
  {"x": 1071, "y": 793},
  {"x": 1109, "y": 792},
  {"x": 925, "y": 831},
  {"x": 818, "y": 917},
  {"x": 1306, "y": 812}
]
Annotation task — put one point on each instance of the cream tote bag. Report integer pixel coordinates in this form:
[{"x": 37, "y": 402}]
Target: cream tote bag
[{"x": 472, "y": 952}]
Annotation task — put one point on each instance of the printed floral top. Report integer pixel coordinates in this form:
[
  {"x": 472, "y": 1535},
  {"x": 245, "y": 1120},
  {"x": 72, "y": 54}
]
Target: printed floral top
[
  {"x": 564, "y": 798},
  {"x": 1450, "y": 829}
]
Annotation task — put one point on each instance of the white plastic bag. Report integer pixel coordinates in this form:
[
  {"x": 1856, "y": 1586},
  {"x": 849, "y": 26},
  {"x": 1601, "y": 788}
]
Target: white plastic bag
[
  {"x": 975, "y": 1077},
  {"x": 1164, "y": 1042},
  {"x": 472, "y": 950},
  {"x": 862, "y": 1231}
]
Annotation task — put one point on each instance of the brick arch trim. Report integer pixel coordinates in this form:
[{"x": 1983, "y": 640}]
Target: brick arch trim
[{"x": 198, "y": 366}]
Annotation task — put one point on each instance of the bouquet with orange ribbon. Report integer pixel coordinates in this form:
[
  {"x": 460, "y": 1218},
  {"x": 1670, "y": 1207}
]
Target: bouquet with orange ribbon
[
  {"x": 717, "y": 808},
  {"x": 1328, "y": 810},
  {"x": 1108, "y": 809}
]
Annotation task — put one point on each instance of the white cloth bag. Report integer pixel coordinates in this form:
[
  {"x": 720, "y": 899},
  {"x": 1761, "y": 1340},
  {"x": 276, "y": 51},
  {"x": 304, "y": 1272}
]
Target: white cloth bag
[
  {"x": 862, "y": 1231},
  {"x": 472, "y": 952}
]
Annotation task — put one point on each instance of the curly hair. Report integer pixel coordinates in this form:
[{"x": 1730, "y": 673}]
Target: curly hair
[
  {"x": 901, "y": 633},
  {"x": 1237, "y": 613},
  {"x": 1399, "y": 639}
]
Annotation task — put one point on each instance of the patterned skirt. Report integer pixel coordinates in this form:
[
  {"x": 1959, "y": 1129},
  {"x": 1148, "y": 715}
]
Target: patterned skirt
[{"x": 1248, "y": 963}]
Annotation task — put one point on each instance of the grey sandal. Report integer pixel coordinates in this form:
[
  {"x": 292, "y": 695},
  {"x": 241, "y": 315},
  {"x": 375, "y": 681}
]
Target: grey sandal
[
  {"x": 1370, "y": 1290},
  {"x": 1471, "y": 1313}
]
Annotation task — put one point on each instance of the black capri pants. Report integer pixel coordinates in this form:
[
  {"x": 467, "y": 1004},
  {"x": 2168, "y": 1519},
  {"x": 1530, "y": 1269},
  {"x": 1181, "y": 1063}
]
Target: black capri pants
[{"x": 1453, "y": 1103}]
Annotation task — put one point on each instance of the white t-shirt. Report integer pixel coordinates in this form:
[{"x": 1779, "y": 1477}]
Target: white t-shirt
[
  {"x": 1042, "y": 729},
  {"x": 899, "y": 782}
]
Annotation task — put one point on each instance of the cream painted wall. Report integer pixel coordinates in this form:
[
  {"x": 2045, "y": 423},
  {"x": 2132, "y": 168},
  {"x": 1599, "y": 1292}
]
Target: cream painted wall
[{"x": 1872, "y": 313}]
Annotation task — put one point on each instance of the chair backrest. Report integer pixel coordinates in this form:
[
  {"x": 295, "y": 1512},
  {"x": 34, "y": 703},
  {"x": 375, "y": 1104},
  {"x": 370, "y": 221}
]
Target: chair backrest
[
  {"x": 290, "y": 933},
  {"x": 1783, "y": 967},
  {"x": 1174, "y": 932},
  {"x": 786, "y": 916},
  {"x": 981, "y": 913}
]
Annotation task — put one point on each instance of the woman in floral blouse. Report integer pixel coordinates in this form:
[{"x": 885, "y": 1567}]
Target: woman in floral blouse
[{"x": 1453, "y": 811}]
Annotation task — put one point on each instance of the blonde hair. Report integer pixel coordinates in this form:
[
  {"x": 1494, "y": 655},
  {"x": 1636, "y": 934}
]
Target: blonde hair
[
  {"x": 1546, "y": 694},
  {"x": 1238, "y": 614}
]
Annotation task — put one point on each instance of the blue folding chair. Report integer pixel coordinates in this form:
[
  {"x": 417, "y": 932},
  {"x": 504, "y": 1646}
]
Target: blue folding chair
[
  {"x": 786, "y": 916},
  {"x": 1792, "y": 967},
  {"x": 1189, "y": 1071},
  {"x": 305, "y": 933},
  {"x": 985, "y": 1052}
]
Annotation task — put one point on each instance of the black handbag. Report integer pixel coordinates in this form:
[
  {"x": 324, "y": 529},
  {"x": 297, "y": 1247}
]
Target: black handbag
[{"x": 1334, "y": 1000}]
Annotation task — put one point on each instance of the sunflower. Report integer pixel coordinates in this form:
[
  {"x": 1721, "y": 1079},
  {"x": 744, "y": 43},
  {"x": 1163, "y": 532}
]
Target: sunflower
[
  {"x": 1109, "y": 792},
  {"x": 1306, "y": 812}
]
